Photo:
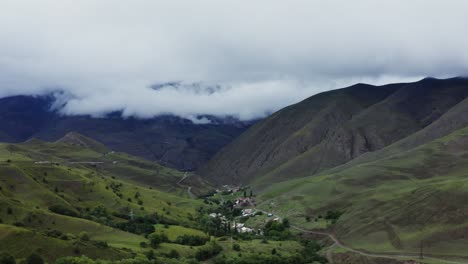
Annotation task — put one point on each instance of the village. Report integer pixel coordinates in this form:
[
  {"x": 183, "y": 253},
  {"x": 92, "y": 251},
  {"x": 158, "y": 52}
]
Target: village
[{"x": 244, "y": 202}]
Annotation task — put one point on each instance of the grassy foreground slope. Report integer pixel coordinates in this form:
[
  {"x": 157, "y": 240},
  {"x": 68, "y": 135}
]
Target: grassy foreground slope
[
  {"x": 391, "y": 204},
  {"x": 74, "y": 201},
  {"x": 67, "y": 198}
]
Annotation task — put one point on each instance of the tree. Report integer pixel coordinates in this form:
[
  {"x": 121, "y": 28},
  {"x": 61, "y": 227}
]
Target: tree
[
  {"x": 245, "y": 194},
  {"x": 173, "y": 254},
  {"x": 150, "y": 255},
  {"x": 273, "y": 251},
  {"x": 157, "y": 239},
  {"x": 6, "y": 258},
  {"x": 84, "y": 236},
  {"x": 34, "y": 259},
  {"x": 251, "y": 193}
]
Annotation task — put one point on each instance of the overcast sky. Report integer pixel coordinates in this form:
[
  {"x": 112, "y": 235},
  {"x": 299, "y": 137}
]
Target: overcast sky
[{"x": 264, "y": 55}]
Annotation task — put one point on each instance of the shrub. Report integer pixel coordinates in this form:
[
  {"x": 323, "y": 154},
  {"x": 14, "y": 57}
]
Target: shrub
[
  {"x": 173, "y": 254},
  {"x": 34, "y": 259},
  {"x": 143, "y": 244},
  {"x": 84, "y": 236},
  {"x": 333, "y": 215},
  {"x": 157, "y": 239},
  {"x": 191, "y": 240},
  {"x": 236, "y": 247},
  {"x": 63, "y": 210},
  {"x": 54, "y": 233},
  {"x": 208, "y": 251},
  {"x": 6, "y": 258}
]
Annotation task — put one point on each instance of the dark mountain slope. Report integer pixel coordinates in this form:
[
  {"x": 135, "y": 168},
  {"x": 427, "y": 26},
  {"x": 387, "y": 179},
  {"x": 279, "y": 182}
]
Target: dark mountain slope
[
  {"x": 22, "y": 116},
  {"x": 170, "y": 140},
  {"x": 333, "y": 128},
  {"x": 454, "y": 119}
]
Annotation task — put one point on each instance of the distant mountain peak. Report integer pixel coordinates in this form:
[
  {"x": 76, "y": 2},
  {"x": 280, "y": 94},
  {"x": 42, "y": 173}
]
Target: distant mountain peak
[{"x": 76, "y": 139}]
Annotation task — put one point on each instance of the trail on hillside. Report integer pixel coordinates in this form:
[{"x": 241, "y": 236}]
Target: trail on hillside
[
  {"x": 189, "y": 188},
  {"x": 338, "y": 243}
]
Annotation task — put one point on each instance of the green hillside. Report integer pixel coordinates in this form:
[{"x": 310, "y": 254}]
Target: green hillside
[
  {"x": 74, "y": 201},
  {"x": 50, "y": 193},
  {"x": 392, "y": 205}
]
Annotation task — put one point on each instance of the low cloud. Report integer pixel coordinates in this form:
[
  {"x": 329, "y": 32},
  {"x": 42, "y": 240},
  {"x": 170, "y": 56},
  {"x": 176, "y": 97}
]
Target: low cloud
[{"x": 228, "y": 58}]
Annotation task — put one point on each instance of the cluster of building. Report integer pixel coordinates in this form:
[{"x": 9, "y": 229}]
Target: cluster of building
[
  {"x": 244, "y": 202},
  {"x": 241, "y": 228},
  {"x": 228, "y": 189}
]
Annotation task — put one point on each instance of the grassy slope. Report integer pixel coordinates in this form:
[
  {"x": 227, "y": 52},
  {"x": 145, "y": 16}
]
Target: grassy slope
[
  {"x": 29, "y": 189},
  {"x": 391, "y": 204}
]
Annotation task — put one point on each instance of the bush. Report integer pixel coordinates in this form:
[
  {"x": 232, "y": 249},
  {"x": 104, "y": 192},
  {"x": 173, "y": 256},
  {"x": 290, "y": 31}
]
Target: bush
[
  {"x": 143, "y": 244},
  {"x": 84, "y": 236},
  {"x": 142, "y": 225},
  {"x": 34, "y": 259},
  {"x": 208, "y": 251},
  {"x": 276, "y": 230},
  {"x": 63, "y": 210},
  {"x": 191, "y": 240},
  {"x": 236, "y": 247},
  {"x": 333, "y": 215},
  {"x": 53, "y": 233},
  {"x": 157, "y": 239},
  {"x": 173, "y": 254},
  {"x": 6, "y": 258}
]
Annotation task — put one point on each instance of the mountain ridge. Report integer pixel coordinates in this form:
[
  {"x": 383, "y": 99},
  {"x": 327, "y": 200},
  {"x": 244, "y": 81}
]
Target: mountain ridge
[{"x": 331, "y": 129}]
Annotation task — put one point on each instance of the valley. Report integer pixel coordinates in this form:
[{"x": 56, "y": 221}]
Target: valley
[{"x": 364, "y": 174}]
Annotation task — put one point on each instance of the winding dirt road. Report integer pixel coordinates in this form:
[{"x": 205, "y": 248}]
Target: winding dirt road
[
  {"x": 189, "y": 188},
  {"x": 338, "y": 243}
]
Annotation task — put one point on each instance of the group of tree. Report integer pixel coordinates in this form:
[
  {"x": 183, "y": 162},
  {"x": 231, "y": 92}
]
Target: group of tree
[
  {"x": 208, "y": 251},
  {"x": 260, "y": 258},
  {"x": 277, "y": 230},
  {"x": 34, "y": 258},
  {"x": 157, "y": 238},
  {"x": 191, "y": 240},
  {"x": 333, "y": 216}
]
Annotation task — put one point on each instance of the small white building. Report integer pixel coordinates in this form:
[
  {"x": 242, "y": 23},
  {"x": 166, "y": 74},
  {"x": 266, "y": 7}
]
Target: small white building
[{"x": 245, "y": 230}]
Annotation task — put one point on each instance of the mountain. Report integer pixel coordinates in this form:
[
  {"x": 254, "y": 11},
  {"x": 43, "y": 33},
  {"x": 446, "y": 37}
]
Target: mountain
[
  {"x": 170, "y": 140},
  {"x": 335, "y": 127},
  {"x": 404, "y": 203},
  {"x": 380, "y": 169}
]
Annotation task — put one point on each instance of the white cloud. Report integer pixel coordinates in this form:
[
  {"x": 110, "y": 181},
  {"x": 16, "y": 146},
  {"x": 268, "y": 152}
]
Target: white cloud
[{"x": 265, "y": 54}]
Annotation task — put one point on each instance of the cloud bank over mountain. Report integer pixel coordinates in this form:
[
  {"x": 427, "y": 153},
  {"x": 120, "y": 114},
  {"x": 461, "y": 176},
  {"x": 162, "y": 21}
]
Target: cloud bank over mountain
[{"x": 236, "y": 58}]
